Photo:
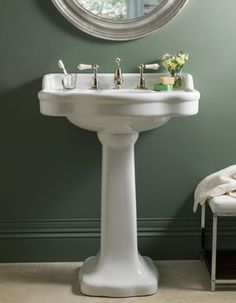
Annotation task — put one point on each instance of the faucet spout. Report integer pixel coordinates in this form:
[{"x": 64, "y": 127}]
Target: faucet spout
[{"x": 118, "y": 78}]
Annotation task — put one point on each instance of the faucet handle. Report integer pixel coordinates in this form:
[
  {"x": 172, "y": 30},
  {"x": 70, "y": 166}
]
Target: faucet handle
[
  {"x": 88, "y": 66},
  {"x": 95, "y": 67},
  {"x": 141, "y": 80},
  {"x": 154, "y": 66}
]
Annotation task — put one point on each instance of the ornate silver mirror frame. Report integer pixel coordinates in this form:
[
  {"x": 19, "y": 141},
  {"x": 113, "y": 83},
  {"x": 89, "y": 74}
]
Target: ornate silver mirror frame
[{"x": 119, "y": 30}]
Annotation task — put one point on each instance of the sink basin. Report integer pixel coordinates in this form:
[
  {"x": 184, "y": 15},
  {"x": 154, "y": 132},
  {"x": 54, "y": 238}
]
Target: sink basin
[
  {"x": 117, "y": 115},
  {"x": 111, "y": 110}
]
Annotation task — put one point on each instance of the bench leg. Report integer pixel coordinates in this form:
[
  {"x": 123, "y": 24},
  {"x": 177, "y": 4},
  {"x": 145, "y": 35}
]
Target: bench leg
[
  {"x": 214, "y": 248},
  {"x": 203, "y": 220}
]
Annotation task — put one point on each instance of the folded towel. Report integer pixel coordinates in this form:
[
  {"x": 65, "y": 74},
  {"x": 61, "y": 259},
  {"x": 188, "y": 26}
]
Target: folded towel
[{"x": 222, "y": 182}]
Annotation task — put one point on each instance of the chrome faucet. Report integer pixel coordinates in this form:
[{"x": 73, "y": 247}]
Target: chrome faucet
[
  {"x": 118, "y": 78},
  {"x": 141, "y": 81},
  {"x": 95, "y": 68}
]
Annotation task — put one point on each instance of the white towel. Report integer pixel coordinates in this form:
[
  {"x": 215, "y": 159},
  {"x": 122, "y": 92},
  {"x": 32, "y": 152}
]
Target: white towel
[{"x": 222, "y": 182}]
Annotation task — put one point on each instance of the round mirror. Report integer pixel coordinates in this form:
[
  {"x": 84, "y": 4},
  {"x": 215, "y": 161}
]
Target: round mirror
[{"x": 119, "y": 19}]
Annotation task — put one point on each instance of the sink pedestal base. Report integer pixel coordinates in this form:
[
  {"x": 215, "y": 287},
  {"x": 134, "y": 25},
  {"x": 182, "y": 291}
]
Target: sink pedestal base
[
  {"x": 118, "y": 279},
  {"x": 118, "y": 270}
]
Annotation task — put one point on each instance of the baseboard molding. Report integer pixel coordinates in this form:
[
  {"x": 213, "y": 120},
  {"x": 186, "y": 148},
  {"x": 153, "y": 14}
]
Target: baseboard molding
[
  {"x": 49, "y": 240},
  {"x": 87, "y": 228}
]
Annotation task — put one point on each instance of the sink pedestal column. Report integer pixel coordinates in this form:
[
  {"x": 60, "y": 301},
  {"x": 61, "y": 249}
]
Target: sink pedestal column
[{"x": 118, "y": 270}]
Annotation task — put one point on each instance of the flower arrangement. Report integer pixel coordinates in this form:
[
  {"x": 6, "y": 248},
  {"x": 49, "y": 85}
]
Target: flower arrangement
[{"x": 174, "y": 63}]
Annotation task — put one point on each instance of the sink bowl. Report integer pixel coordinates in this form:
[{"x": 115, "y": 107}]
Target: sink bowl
[
  {"x": 117, "y": 111},
  {"x": 117, "y": 115}
]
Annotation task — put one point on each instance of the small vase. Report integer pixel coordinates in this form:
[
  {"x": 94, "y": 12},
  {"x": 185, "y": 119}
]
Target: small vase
[{"x": 178, "y": 79}]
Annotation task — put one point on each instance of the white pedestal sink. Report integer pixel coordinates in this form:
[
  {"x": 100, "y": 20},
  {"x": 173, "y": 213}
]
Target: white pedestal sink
[{"x": 117, "y": 115}]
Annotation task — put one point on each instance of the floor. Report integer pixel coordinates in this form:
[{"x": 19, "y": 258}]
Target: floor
[{"x": 180, "y": 281}]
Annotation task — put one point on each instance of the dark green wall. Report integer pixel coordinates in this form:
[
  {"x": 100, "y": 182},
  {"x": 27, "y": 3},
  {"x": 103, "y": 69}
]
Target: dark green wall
[{"x": 50, "y": 170}]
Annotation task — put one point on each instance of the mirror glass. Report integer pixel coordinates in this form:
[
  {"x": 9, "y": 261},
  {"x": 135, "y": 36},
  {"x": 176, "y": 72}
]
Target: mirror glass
[
  {"x": 119, "y": 20},
  {"x": 119, "y": 9}
]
